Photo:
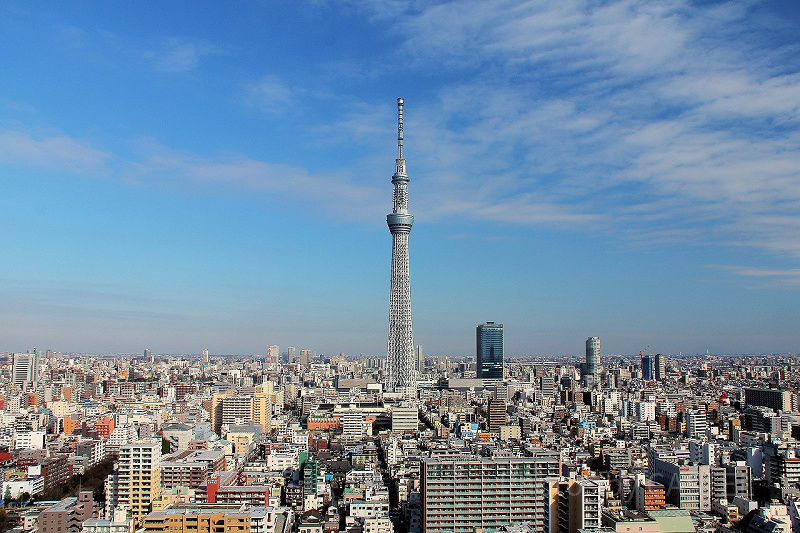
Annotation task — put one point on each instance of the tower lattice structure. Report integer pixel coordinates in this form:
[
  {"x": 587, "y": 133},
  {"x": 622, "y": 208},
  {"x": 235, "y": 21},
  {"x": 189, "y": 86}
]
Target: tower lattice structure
[{"x": 400, "y": 363}]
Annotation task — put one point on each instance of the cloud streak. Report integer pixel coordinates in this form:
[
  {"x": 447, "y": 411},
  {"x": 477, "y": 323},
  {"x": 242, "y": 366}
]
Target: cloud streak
[
  {"x": 178, "y": 54},
  {"x": 645, "y": 118},
  {"x": 54, "y": 151}
]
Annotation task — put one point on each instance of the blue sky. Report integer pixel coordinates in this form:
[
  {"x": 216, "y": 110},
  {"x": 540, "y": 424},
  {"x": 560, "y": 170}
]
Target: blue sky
[{"x": 181, "y": 175}]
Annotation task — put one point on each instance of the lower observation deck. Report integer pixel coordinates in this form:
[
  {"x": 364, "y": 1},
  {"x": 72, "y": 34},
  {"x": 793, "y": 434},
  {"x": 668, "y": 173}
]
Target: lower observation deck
[{"x": 400, "y": 223}]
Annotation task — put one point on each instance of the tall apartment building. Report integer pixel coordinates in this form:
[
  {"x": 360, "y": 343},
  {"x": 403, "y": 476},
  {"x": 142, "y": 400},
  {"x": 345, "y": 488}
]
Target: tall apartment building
[
  {"x": 461, "y": 494},
  {"x": 496, "y": 414},
  {"x": 574, "y": 505},
  {"x": 139, "y": 476},
  {"x": 262, "y": 406}
]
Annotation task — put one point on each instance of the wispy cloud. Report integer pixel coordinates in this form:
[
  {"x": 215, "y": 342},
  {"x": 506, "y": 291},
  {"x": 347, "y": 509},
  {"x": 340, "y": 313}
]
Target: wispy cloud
[
  {"x": 674, "y": 120},
  {"x": 160, "y": 165},
  {"x": 177, "y": 54},
  {"x": 768, "y": 277},
  {"x": 54, "y": 151},
  {"x": 271, "y": 95}
]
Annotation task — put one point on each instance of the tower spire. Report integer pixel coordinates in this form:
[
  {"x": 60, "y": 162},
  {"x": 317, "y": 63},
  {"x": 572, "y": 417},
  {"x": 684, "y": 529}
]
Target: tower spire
[{"x": 400, "y": 102}]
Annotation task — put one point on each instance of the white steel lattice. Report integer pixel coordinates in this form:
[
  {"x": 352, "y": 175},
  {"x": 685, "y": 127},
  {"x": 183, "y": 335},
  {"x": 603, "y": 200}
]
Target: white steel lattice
[{"x": 400, "y": 364}]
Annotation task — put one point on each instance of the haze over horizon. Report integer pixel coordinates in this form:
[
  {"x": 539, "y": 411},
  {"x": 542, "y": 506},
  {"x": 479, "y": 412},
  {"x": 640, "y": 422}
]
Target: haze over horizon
[{"x": 198, "y": 175}]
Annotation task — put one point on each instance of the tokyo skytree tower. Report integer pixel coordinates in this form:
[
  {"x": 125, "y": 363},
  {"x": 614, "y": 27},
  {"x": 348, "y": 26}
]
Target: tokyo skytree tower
[{"x": 401, "y": 371}]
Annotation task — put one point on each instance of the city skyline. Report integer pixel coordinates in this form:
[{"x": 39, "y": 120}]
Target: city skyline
[{"x": 214, "y": 177}]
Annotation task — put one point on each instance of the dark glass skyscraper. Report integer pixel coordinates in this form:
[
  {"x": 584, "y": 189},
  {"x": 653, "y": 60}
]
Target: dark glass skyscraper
[
  {"x": 489, "y": 350},
  {"x": 647, "y": 367},
  {"x": 592, "y": 367}
]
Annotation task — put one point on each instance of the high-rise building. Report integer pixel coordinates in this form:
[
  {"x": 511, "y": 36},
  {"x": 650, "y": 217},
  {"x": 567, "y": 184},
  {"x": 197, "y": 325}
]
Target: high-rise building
[
  {"x": 25, "y": 369},
  {"x": 148, "y": 355},
  {"x": 489, "y": 350},
  {"x": 291, "y": 354},
  {"x": 139, "y": 478},
  {"x": 463, "y": 494},
  {"x": 577, "y": 505},
  {"x": 592, "y": 361},
  {"x": 205, "y": 356},
  {"x": 660, "y": 367},
  {"x": 647, "y": 367},
  {"x": 273, "y": 357},
  {"x": 305, "y": 357},
  {"x": 496, "y": 414},
  {"x": 400, "y": 365},
  {"x": 236, "y": 410}
]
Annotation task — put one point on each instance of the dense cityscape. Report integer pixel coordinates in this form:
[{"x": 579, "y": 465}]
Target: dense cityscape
[
  {"x": 604, "y": 263},
  {"x": 293, "y": 441}
]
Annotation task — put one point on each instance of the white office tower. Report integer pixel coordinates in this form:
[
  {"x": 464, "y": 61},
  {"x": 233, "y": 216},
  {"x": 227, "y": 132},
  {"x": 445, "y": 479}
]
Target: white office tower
[
  {"x": 401, "y": 375},
  {"x": 205, "y": 356},
  {"x": 25, "y": 369}
]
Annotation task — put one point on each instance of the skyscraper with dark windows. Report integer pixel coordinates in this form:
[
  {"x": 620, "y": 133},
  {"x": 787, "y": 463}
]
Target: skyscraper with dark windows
[
  {"x": 660, "y": 368},
  {"x": 647, "y": 367},
  {"x": 489, "y": 350},
  {"x": 592, "y": 374}
]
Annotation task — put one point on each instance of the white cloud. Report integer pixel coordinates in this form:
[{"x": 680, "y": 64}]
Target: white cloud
[
  {"x": 177, "y": 54},
  {"x": 271, "y": 95},
  {"x": 685, "y": 113},
  {"x": 768, "y": 277},
  {"x": 52, "y": 151}
]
